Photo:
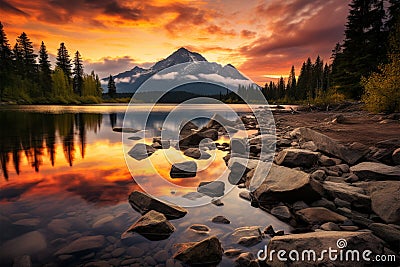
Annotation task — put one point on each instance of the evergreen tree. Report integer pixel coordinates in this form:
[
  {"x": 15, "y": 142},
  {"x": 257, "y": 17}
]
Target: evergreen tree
[
  {"x": 291, "y": 86},
  {"x": 26, "y": 57},
  {"x": 45, "y": 71},
  {"x": 63, "y": 60},
  {"x": 363, "y": 48},
  {"x": 78, "y": 74},
  {"x": 112, "y": 89},
  {"x": 326, "y": 78},
  {"x": 5, "y": 62},
  {"x": 302, "y": 83},
  {"x": 317, "y": 73},
  {"x": 393, "y": 14}
]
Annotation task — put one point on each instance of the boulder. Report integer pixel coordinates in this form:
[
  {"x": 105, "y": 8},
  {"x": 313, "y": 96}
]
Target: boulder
[
  {"x": 319, "y": 215},
  {"x": 323, "y": 240},
  {"x": 281, "y": 212},
  {"x": 194, "y": 139},
  {"x": 385, "y": 200},
  {"x": 217, "y": 121},
  {"x": 288, "y": 185},
  {"x": 327, "y": 161},
  {"x": 141, "y": 151},
  {"x": 376, "y": 171},
  {"x": 187, "y": 129},
  {"x": 30, "y": 243},
  {"x": 355, "y": 195},
  {"x": 386, "y": 232},
  {"x": 153, "y": 225},
  {"x": 196, "y": 153},
  {"x": 318, "y": 175},
  {"x": 331, "y": 146},
  {"x": 125, "y": 130},
  {"x": 204, "y": 252},
  {"x": 330, "y": 226},
  {"x": 396, "y": 156},
  {"x": 309, "y": 146},
  {"x": 249, "y": 241},
  {"x": 143, "y": 203},
  {"x": 293, "y": 157},
  {"x": 184, "y": 169},
  {"x": 220, "y": 219},
  {"x": 212, "y": 189},
  {"x": 239, "y": 146},
  {"x": 85, "y": 243}
]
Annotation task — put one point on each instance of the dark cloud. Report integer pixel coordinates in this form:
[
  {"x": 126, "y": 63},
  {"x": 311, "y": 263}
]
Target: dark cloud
[
  {"x": 108, "y": 65},
  {"x": 248, "y": 34},
  {"x": 115, "y": 9},
  {"x": 7, "y": 7}
]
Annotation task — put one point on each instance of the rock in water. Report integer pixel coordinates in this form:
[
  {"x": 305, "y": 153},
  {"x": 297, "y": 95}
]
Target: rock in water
[
  {"x": 385, "y": 200},
  {"x": 196, "y": 153},
  {"x": 184, "y": 169},
  {"x": 212, "y": 189},
  {"x": 194, "y": 139},
  {"x": 293, "y": 157},
  {"x": 141, "y": 151},
  {"x": 143, "y": 203},
  {"x": 319, "y": 215},
  {"x": 376, "y": 171},
  {"x": 318, "y": 241},
  {"x": 330, "y": 146},
  {"x": 205, "y": 252},
  {"x": 153, "y": 225},
  {"x": 82, "y": 244},
  {"x": 220, "y": 219},
  {"x": 217, "y": 121},
  {"x": 27, "y": 244},
  {"x": 125, "y": 130},
  {"x": 285, "y": 184}
]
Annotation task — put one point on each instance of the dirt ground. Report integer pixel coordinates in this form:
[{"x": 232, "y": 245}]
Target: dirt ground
[{"x": 359, "y": 126}]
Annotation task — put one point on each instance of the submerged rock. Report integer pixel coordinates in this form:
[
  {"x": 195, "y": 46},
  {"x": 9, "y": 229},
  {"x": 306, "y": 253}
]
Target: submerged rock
[
  {"x": 143, "y": 203},
  {"x": 205, "y": 252},
  {"x": 141, "y": 151},
  {"x": 184, "y": 169},
  {"x": 220, "y": 219},
  {"x": 27, "y": 244},
  {"x": 84, "y": 243},
  {"x": 212, "y": 189},
  {"x": 331, "y": 146},
  {"x": 376, "y": 171},
  {"x": 293, "y": 157},
  {"x": 153, "y": 225}
]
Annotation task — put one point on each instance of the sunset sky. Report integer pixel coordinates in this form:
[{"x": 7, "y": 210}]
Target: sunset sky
[{"x": 261, "y": 38}]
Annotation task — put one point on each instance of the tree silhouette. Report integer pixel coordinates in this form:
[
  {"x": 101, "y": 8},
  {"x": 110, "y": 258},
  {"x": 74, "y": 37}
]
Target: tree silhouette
[
  {"x": 78, "y": 74},
  {"x": 112, "y": 89},
  {"x": 45, "y": 71},
  {"x": 63, "y": 60}
]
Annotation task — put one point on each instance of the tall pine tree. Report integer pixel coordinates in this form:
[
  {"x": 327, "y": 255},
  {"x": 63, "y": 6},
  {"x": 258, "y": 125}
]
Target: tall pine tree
[
  {"x": 45, "y": 71},
  {"x": 63, "y": 60},
  {"x": 27, "y": 57},
  {"x": 78, "y": 74},
  {"x": 112, "y": 89},
  {"x": 5, "y": 62}
]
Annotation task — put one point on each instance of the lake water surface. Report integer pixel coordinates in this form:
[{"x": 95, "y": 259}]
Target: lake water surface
[{"x": 64, "y": 177}]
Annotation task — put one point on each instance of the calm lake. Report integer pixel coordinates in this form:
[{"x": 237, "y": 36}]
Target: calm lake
[{"x": 64, "y": 177}]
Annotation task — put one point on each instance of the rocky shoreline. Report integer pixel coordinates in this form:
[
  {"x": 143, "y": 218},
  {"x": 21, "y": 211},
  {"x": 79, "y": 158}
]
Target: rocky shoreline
[{"x": 325, "y": 189}]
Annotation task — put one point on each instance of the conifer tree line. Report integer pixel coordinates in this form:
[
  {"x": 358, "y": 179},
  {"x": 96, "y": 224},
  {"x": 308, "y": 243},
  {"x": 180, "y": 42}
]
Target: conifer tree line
[
  {"x": 371, "y": 44},
  {"x": 27, "y": 77}
]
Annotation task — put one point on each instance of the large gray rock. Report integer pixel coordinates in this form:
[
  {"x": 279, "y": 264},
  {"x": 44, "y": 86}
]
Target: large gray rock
[
  {"x": 205, "y": 252},
  {"x": 386, "y": 232},
  {"x": 293, "y": 157},
  {"x": 27, "y": 244},
  {"x": 153, "y": 225},
  {"x": 143, "y": 203},
  {"x": 84, "y": 243},
  {"x": 212, "y": 189},
  {"x": 323, "y": 240},
  {"x": 194, "y": 139},
  {"x": 196, "y": 153},
  {"x": 184, "y": 169},
  {"x": 376, "y": 171},
  {"x": 319, "y": 215},
  {"x": 355, "y": 195},
  {"x": 217, "y": 121},
  {"x": 385, "y": 200},
  {"x": 141, "y": 151},
  {"x": 331, "y": 146},
  {"x": 288, "y": 185}
]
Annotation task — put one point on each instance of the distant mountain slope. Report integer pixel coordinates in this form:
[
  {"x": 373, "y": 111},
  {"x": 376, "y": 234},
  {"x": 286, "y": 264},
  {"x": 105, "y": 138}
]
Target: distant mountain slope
[{"x": 129, "y": 81}]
